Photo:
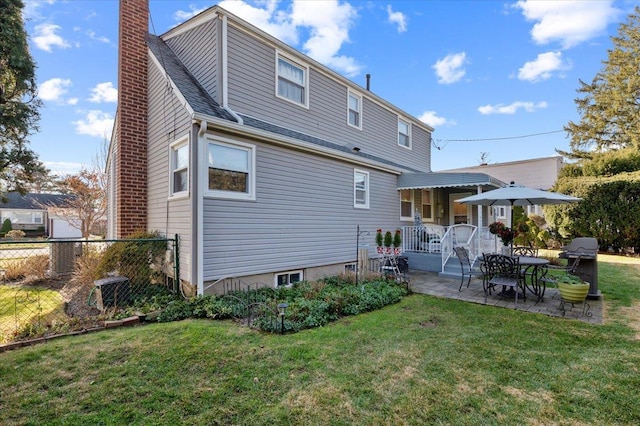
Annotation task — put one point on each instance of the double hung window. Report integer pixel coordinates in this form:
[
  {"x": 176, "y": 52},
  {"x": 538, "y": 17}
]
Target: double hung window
[
  {"x": 360, "y": 189},
  {"x": 427, "y": 205},
  {"x": 404, "y": 133},
  {"x": 179, "y": 167},
  {"x": 406, "y": 204},
  {"x": 354, "y": 110},
  {"x": 292, "y": 81}
]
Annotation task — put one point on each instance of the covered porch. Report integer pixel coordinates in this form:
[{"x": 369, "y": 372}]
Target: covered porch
[{"x": 436, "y": 222}]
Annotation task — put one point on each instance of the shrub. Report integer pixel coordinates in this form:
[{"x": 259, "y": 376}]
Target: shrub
[
  {"x": 15, "y": 234},
  {"x": 133, "y": 259},
  {"x": 6, "y": 227}
]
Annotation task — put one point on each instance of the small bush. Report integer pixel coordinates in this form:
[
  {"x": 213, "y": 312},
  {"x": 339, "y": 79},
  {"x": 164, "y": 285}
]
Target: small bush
[
  {"x": 6, "y": 227},
  {"x": 15, "y": 234}
]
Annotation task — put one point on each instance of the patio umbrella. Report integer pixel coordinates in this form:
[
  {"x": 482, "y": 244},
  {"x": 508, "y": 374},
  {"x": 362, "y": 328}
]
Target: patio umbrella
[{"x": 517, "y": 195}]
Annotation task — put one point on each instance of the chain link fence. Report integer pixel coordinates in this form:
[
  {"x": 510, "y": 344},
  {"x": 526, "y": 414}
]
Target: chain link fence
[{"x": 57, "y": 286}]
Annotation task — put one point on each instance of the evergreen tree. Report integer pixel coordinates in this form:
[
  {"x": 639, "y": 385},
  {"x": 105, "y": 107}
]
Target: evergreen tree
[
  {"x": 18, "y": 102},
  {"x": 610, "y": 107}
]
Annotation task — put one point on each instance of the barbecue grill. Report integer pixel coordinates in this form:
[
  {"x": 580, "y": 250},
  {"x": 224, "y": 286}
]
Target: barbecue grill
[{"x": 585, "y": 251}]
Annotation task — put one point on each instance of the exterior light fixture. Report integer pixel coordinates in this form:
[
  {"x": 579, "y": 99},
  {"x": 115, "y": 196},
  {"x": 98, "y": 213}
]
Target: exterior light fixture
[{"x": 282, "y": 309}]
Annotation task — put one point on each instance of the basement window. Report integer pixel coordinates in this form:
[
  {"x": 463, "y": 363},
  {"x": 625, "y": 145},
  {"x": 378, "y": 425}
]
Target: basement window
[{"x": 286, "y": 279}]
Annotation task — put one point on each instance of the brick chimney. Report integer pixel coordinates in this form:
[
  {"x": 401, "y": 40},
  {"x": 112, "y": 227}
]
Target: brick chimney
[{"x": 131, "y": 119}]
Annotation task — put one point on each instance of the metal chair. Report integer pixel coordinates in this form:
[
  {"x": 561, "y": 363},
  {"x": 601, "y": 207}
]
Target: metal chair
[
  {"x": 524, "y": 251},
  {"x": 502, "y": 271},
  {"x": 466, "y": 267}
]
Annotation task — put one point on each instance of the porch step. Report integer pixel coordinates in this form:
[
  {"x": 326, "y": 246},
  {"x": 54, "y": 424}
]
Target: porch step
[{"x": 452, "y": 268}]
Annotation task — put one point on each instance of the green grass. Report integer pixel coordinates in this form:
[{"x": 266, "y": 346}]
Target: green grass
[
  {"x": 421, "y": 361},
  {"x": 29, "y": 304}
]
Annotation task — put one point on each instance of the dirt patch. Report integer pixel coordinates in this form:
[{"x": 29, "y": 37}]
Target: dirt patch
[{"x": 632, "y": 314}]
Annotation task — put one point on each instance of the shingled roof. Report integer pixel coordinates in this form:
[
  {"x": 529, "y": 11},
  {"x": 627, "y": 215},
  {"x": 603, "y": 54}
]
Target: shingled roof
[{"x": 32, "y": 201}]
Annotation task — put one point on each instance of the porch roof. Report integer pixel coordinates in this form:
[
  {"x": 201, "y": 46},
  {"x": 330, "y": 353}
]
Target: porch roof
[{"x": 447, "y": 180}]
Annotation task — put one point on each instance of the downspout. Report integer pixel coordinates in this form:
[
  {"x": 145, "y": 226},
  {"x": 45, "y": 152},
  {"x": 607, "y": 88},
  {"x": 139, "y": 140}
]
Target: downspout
[
  {"x": 225, "y": 80},
  {"x": 199, "y": 200}
]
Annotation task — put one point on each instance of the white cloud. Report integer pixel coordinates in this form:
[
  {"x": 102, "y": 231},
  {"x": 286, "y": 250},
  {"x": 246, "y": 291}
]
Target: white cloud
[
  {"x": 398, "y": 18},
  {"x": 450, "y": 69},
  {"x": 512, "y": 108},
  {"x": 543, "y": 67},
  {"x": 568, "y": 22},
  {"x": 431, "y": 118},
  {"x": 102, "y": 39},
  {"x": 46, "y": 37},
  {"x": 104, "y": 92},
  {"x": 327, "y": 22},
  {"x": 268, "y": 19},
  {"x": 182, "y": 15},
  {"x": 54, "y": 89},
  {"x": 61, "y": 169},
  {"x": 96, "y": 123}
]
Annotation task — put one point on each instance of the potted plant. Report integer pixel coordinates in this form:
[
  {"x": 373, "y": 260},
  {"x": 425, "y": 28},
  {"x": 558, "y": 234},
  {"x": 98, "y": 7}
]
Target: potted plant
[
  {"x": 379, "y": 241},
  {"x": 388, "y": 240},
  {"x": 397, "y": 242},
  {"x": 572, "y": 289}
]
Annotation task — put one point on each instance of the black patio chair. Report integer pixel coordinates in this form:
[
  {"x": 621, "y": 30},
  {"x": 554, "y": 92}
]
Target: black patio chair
[
  {"x": 524, "y": 251},
  {"x": 502, "y": 271},
  {"x": 466, "y": 268}
]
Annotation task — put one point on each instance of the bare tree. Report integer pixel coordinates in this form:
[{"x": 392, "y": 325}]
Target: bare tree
[{"x": 87, "y": 205}]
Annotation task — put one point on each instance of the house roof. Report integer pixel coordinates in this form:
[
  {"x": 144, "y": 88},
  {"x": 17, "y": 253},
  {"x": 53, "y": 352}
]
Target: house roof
[
  {"x": 442, "y": 180},
  {"x": 31, "y": 201},
  {"x": 193, "y": 92},
  {"x": 202, "y": 103}
]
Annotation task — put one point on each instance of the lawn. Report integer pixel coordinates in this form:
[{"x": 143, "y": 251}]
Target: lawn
[{"x": 421, "y": 361}]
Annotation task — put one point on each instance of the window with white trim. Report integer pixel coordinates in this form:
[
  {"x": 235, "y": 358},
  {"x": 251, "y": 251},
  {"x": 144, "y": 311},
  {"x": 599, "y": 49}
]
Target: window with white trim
[
  {"x": 231, "y": 169},
  {"x": 354, "y": 110},
  {"x": 287, "y": 279},
  {"x": 179, "y": 167},
  {"x": 360, "y": 189},
  {"x": 427, "y": 205},
  {"x": 292, "y": 81},
  {"x": 500, "y": 212},
  {"x": 404, "y": 133},
  {"x": 406, "y": 204}
]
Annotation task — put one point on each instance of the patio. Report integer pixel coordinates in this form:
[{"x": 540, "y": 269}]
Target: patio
[{"x": 432, "y": 284}]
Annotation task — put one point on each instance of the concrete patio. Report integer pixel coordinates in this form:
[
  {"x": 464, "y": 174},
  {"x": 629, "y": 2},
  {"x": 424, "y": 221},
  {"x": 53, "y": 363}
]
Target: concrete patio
[{"x": 432, "y": 284}]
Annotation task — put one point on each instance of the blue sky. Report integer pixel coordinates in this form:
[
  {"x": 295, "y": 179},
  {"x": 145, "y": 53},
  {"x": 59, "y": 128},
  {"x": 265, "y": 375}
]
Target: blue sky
[{"x": 474, "y": 70}]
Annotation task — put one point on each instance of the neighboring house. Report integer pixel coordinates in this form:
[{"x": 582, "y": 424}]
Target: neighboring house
[
  {"x": 538, "y": 173},
  {"x": 262, "y": 160},
  {"x": 30, "y": 213}
]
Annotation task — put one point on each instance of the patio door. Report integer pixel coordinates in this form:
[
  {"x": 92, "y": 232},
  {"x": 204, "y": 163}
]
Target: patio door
[{"x": 458, "y": 212}]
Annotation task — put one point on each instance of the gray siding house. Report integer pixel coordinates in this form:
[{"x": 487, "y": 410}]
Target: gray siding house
[{"x": 262, "y": 160}]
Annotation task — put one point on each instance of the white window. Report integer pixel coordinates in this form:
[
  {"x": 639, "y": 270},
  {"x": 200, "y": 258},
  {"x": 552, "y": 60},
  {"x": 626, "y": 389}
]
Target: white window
[
  {"x": 286, "y": 279},
  {"x": 500, "y": 212},
  {"x": 406, "y": 204},
  {"x": 427, "y": 205},
  {"x": 404, "y": 133},
  {"x": 292, "y": 81},
  {"x": 38, "y": 217},
  {"x": 354, "y": 110},
  {"x": 179, "y": 168},
  {"x": 231, "y": 171},
  {"x": 360, "y": 189}
]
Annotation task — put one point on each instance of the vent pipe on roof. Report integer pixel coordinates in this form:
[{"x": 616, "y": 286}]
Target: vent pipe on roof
[{"x": 368, "y": 77}]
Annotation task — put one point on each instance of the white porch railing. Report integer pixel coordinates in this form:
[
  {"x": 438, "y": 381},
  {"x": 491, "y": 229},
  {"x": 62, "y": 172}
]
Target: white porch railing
[{"x": 441, "y": 240}]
